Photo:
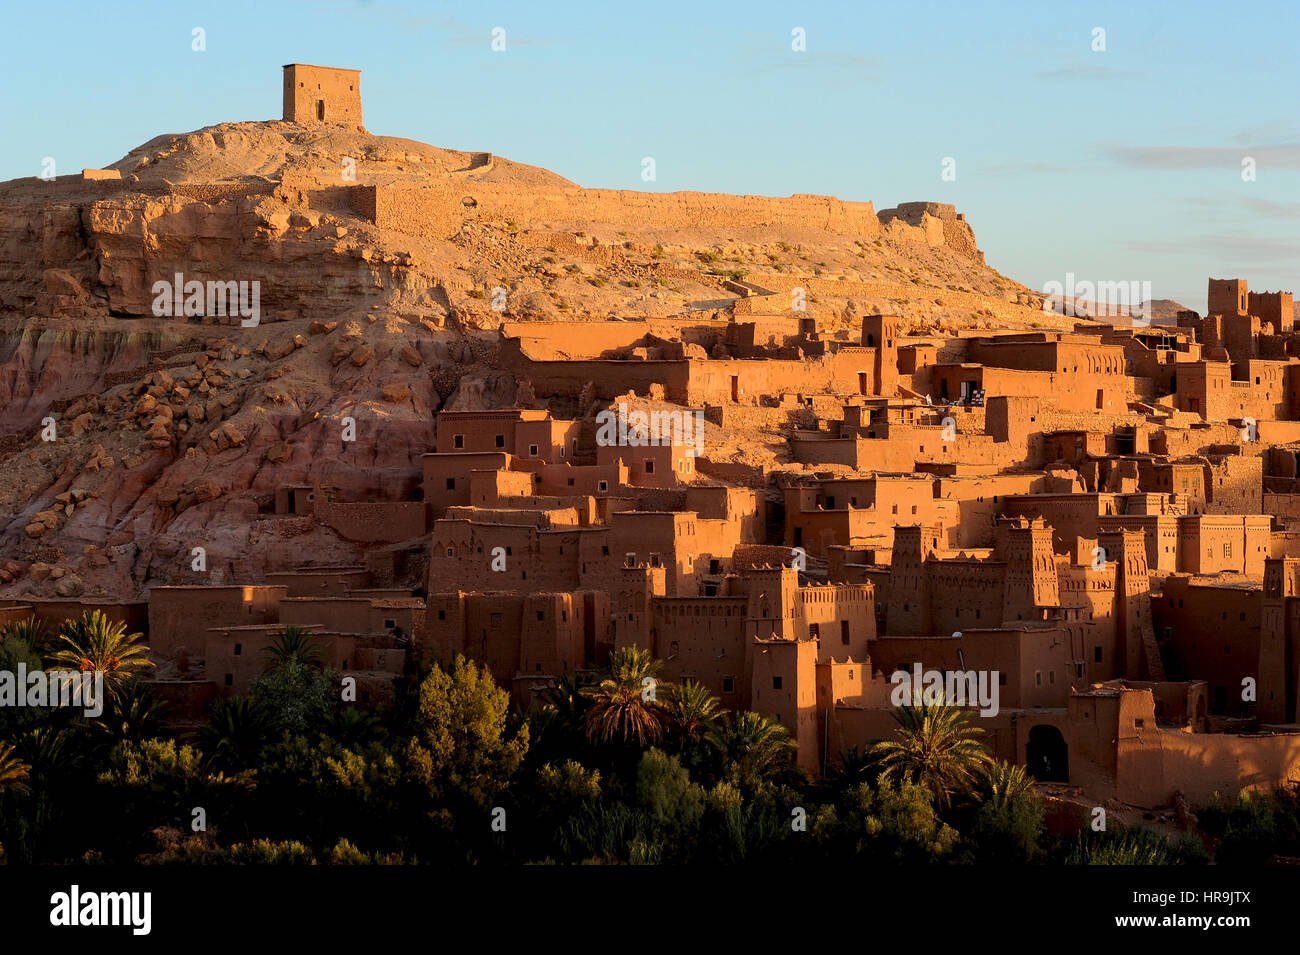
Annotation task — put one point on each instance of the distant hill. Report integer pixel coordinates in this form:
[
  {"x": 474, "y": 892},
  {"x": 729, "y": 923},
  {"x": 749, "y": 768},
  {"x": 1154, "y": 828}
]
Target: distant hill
[{"x": 1164, "y": 311}]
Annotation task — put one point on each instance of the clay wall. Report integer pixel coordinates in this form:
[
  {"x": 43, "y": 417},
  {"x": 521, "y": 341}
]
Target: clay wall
[
  {"x": 447, "y": 476},
  {"x": 1212, "y": 634},
  {"x": 1035, "y": 662},
  {"x": 324, "y": 582},
  {"x": 179, "y": 617},
  {"x": 784, "y": 685},
  {"x": 704, "y": 639},
  {"x": 354, "y": 615},
  {"x": 1276, "y": 309},
  {"x": 53, "y": 611},
  {"x": 440, "y": 210},
  {"x": 373, "y": 522}
]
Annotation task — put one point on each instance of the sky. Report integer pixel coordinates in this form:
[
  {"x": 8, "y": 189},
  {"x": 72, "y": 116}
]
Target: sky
[{"x": 1112, "y": 156}]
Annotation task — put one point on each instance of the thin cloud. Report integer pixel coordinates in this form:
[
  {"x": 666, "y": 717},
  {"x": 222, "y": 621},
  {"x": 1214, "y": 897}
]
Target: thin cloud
[
  {"x": 1202, "y": 157},
  {"x": 1246, "y": 248}
]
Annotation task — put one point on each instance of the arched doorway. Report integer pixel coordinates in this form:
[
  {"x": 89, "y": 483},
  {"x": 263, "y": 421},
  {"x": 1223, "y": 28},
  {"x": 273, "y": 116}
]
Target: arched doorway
[{"x": 1047, "y": 757}]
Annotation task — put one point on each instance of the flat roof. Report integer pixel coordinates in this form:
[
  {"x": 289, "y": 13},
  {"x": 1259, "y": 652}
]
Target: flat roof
[{"x": 337, "y": 69}]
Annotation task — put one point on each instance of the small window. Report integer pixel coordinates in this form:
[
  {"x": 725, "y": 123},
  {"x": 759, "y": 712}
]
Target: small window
[
  {"x": 458, "y": 441},
  {"x": 230, "y": 679},
  {"x": 1227, "y": 550},
  {"x": 501, "y": 441},
  {"x": 728, "y": 684},
  {"x": 1139, "y": 722},
  {"x": 844, "y": 632},
  {"x": 541, "y": 615},
  {"x": 1096, "y": 654},
  {"x": 390, "y": 624},
  {"x": 649, "y": 466},
  {"x": 442, "y": 615},
  {"x": 604, "y": 485},
  {"x": 1038, "y": 678},
  {"x": 532, "y": 450},
  {"x": 451, "y": 484},
  {"x": 239, "y": 649},
  {"x": 776, "y": 683}
]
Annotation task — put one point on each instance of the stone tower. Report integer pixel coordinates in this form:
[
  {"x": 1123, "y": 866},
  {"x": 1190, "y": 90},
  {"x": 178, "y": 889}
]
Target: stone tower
[
  {"x": 1031, "y": 583},
  {"x": 881, "y": 333},
  {"x": 909, "y": 611},
  {"x": 321, "y": 94}
]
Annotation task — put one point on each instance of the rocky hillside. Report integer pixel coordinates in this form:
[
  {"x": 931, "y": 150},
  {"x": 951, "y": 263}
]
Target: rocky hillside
[{"x": 130, "y": 438}]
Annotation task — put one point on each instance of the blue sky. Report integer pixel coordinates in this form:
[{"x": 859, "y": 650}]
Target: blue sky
[{"x": 1122, "y": 165}]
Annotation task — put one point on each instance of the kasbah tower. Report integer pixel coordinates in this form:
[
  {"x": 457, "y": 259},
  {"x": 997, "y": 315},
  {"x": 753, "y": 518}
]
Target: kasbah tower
[{"x": 322, "y": 94}]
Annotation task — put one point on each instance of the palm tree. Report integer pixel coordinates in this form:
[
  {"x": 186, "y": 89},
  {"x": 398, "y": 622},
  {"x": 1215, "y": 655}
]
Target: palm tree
[
  {"x": 236, "y": 732},
  {"x": 692, "y": 710},
  {"x": 623, "y": 705},
  {"x": 30, "y": 631},
  {"x": 133, "y": 714},
  {"x": 753, "y": 747},
  {"x": 96, "y": 643},
  {"x": 937, "y": 748},
  {"x": 1007, "y": 782},
  {"x": 569, "y": 698},
  {"x": 633, "y": 665},
  {"x": 292, "y": 643},
  {"x": 12, "y": 770},
  {"x": 620, "y": 712},
  {"x": 51, "y": 753},
  {"x": 857, "y": 765}
]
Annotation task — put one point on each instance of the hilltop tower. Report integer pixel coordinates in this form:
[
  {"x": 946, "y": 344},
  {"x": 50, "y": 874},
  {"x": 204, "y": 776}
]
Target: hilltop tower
[{"x": 321, "y": 94}]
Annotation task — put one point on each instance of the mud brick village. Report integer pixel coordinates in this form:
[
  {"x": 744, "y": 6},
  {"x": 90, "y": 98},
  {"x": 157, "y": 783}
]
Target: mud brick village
[{"x": 791, "y": 447}]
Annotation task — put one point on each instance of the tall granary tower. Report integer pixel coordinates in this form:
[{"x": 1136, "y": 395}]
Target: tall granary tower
[{"x": 321, "y": 94}]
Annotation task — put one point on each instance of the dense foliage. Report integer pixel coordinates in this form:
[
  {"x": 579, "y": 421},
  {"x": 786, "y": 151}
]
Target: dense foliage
[{"x": 615, "y": 767}]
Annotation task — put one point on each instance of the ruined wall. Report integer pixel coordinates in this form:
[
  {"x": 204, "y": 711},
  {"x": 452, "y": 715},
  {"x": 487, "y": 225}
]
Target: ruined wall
[
  {"x": 1273, "y": 308},
  {"x": 441, "y": 210},
  {"x": 609, "y": 378},
  {"x": 955, "y": 233},
  {"x": 373, "y": 522}
]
